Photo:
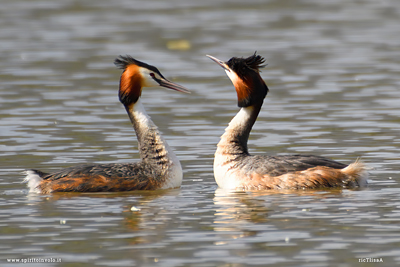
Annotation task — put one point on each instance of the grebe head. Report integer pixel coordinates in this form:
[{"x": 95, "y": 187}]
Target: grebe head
[
  {"x": 245, "y": 76},
  {"x": 137, "y": 75}
]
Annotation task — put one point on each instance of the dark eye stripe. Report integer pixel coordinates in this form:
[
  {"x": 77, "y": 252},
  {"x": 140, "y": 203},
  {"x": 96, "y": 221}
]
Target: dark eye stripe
[{"x": 154, "y": 77}]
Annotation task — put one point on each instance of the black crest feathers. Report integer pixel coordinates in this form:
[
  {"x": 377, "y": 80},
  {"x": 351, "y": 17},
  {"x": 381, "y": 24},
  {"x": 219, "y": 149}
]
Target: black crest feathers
[
  {"x": 122, "y": 62},
  {"x": 252, "y": 89},
  {"x": 241, "y": 66}
]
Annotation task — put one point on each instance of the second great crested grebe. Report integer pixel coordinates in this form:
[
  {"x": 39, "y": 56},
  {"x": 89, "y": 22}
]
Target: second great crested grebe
[
  {"x": 159, "y": 168},
  {"x": 236, "y": 169}
]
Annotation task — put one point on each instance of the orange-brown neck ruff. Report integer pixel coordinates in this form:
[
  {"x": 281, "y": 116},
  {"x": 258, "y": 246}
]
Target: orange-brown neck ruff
[
  {"x": 130, "y": 87},
  {"x": 251, "y": 90}
]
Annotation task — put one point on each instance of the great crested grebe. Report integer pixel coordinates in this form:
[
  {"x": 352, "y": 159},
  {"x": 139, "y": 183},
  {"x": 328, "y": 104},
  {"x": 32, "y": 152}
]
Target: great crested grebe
[
  {"x": 159, "y": 168},
  {"x": 236, "y": 169}
]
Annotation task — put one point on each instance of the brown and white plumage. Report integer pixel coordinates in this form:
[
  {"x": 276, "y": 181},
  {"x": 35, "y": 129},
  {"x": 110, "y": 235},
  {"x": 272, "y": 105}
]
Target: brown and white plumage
[
  {"x": 159, "y": 168},
  {"x": 235, "y": 168}
]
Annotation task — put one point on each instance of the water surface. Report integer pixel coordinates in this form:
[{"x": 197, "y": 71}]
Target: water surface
[{"x": 333, "y": 74}]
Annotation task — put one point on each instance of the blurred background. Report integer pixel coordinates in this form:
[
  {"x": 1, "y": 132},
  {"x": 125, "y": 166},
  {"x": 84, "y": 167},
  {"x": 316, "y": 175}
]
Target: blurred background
[{"x": 333, "y": 73}]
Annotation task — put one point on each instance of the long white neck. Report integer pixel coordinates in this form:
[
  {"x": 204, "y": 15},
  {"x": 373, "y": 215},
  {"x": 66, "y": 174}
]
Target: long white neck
[
  {"x": 232, "y": 148},
  {"x": 234, "y": 140},
  {"x": 153, "y": 148}
]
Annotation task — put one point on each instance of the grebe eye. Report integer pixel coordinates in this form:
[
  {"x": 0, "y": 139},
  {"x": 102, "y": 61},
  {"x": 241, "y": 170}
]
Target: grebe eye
[{"x": 152, "y": 75}]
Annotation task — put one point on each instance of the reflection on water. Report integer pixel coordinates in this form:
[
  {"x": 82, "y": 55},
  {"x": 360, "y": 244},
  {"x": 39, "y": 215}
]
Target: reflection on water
[
  {"x": 238, "y": 207},
  {"x": 312, "y": 225},
  {"x": 333, "y": 78}
]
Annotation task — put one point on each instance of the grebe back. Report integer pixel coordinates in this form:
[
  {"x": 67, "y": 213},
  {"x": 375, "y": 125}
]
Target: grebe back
[
  {"x": 236, "y": 169},
  {"x": 159, "y": 167}
]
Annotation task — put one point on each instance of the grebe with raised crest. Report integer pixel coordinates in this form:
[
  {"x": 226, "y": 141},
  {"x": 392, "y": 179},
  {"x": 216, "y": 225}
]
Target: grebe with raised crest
[
  {"x": 236, "y": 169},
  {"x": 159, "y": 167}
]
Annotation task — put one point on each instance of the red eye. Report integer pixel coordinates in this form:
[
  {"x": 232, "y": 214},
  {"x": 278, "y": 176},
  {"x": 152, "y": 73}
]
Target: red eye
[{"x": 152, "y": 75}]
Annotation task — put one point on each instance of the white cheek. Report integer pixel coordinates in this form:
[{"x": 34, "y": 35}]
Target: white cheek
[
  {"x": 148, "y": 81},
  {"x": 234, "y": 78}
]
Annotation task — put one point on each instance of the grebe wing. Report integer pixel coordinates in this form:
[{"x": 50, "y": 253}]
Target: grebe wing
[
  {"x": 279, "y": 165},
  {"x": 105, "y": 170},
  {"x": 101, "y": 178}
]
